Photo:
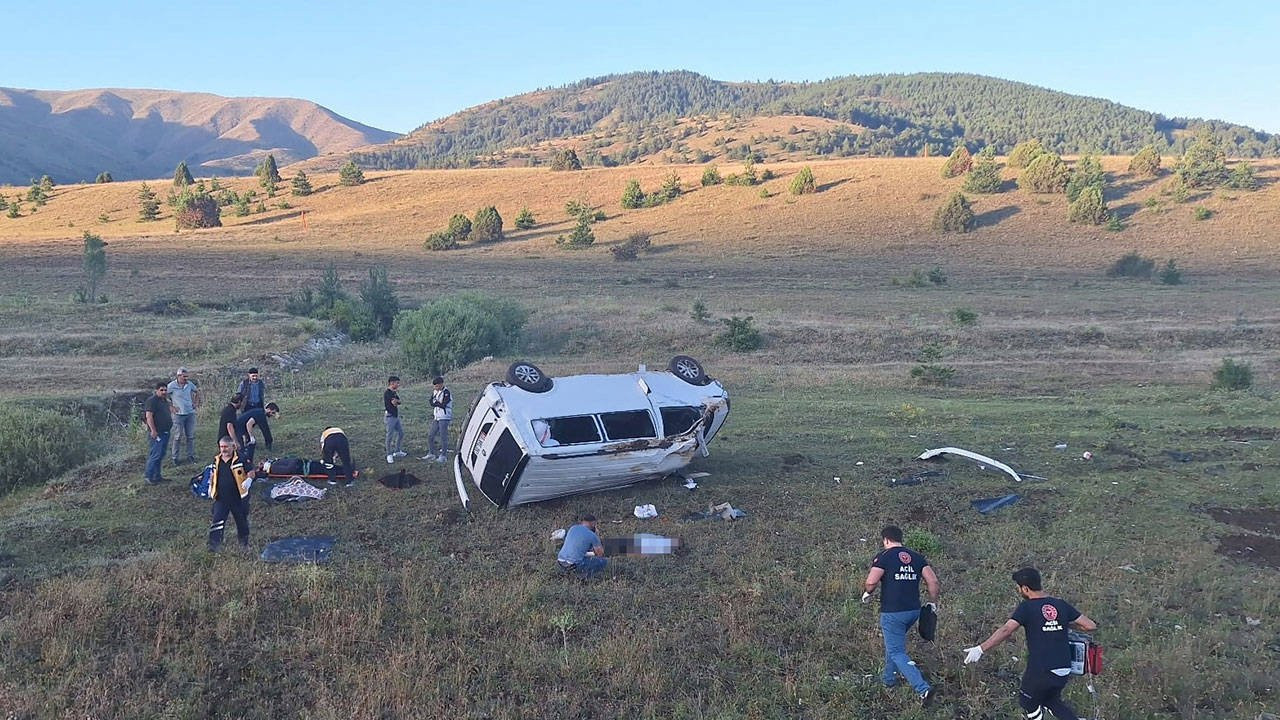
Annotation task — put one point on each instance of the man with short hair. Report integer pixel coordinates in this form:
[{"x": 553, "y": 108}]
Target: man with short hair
[
  {"x": 334, "y": 447},
  {"x": 184, "y": 401},
  {"x": 227, "y": 420},
  {"x": 441, "y": 413},
  {"x": 254, "y": 390},
  {"x": 391, "y": 415},
  {"x": 580, "y": 540},
  {"x": 255, "y": 418},
  {"x": 1045, "y": 620},
  {"x": 159, "y": 422},
  {"x": 229, "y": 490},
  {"x": 898, "y": 569}
]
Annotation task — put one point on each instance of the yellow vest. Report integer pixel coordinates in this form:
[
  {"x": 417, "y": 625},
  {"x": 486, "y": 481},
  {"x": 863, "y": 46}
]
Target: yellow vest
[{"x": 237, "y": 471}]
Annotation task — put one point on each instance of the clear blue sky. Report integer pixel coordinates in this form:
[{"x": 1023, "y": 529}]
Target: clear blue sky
[{"x": 396, "y": 65}]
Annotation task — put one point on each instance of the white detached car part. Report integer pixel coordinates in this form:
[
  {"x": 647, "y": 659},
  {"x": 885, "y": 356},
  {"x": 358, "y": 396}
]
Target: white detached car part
[{"x": 534, "y": 438}]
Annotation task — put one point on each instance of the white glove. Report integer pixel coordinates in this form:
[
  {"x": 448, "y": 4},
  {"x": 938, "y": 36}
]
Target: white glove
[
  {"x": 974, "y": 654},
  {"x": 248, "y": 483},
  {"x": 866, "y": 598}
]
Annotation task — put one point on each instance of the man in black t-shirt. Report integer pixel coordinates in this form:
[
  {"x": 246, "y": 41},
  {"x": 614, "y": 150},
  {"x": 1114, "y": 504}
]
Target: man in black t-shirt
[
  {"x": 229, "y": 490},
  {"x": 227, "y": 420},
  {"x": 245, "y": 424},
  {"x": 159, "y": 423},
  {"x": 898, "y": 571},
  {"x": 1046, "y": 620},
  {"x": 391, "y": 414}
]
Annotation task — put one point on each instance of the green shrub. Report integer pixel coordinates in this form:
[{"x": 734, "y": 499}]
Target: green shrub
[
  {"x": 1150, "y": 203},
  {"x": 459, "y": 227},
  {"x": 582, "y": 236},
  {"x": 740, "y": 335},
  {"x": 958, "y": 163},
  {"x": 954, "y": 216},
  {"x": 1088, "y": 207},
  {"x": 746, "y": 178},
  {"x": 930, "y": 371},
  {"x": 670, "y": 189},
  {"x": 964, "y": 317},
  {"x": 1132, "y": 265},
  {"x": 1086, "y": 174},
  {"x": 524, "y": 220},
  {"x": 149, "y": 206},
  {"x": 1045, "y": 174},
  {"x": 1146, "y": 162},
  {"x": 300, "y": 185},
  {"x": 37, "y": 445},
  {"x": 103, "y": 177},
  {"x": 711, "y": 176},
  {"x": 355, "y": 319},
  {"x": 803, "y": 183},
  {"x": 1241, "y": 178},
  {"x": 565, "y": 159},
  {"x": 984, "y": 177},
  {"x": 440, "y": 241},
  {"x": 196, "y": 209},
  {"x": 632, "y": 196},
  {"x": 937, "y": 276},
  {"x": 1201, "y": 212},
  {"x": 1115, "y": 223},
  {"x": 922, "y": 541},
  {"x": 1232, "y": 375},
  {"x": 1170, "y": 274},
  {"x": 452, "y": 331},
  {"x": 487, "y": 225},
  {"x": 699, "y": 310},
  {"x": 350, "y": 174},
  {"x": 1024, "y": 152},
  {"x": 1204, "y": 164},
  {"x": 380, "y": 297},
  {"x": 630, "y": 248}
]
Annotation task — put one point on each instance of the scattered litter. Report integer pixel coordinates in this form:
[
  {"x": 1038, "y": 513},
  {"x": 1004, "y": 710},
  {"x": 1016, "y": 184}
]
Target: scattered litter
[
  {"x": 646, "y": 511},
  {"x": 837, "y": 479},
  {"x": 1179, "y": 456},
  {"x": 723, "y": 511},
  {"x": 558, "y": 534},
  {"x": 929, "y": 454},
  {"x": 1032, "y": 477},
  {"x": 697, "y": 475},
  {"x": 1113, "y": 482},
  {"x": 1060, "y": 446},
  {"x": 299, "y": 550},
  {"x": 989, "y": 505},
  {"x": 1127, "y": 568},
  {"x": 1252, "y": 622},
  {"x": 294, "y": 490},
  {"x": 640, "y": 544},
  {"x": 862, "y": 539},
  {"x": 400, "y": 480},
  {"x": 1086, "y": 455},
  {"x": 690, "y": 484},
  {"x": 858, "y": 463},
  {"x": 917, "y": 478}
]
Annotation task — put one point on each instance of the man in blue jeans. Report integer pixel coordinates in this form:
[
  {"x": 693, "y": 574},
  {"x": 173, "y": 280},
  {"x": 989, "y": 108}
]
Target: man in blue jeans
[
  {"x": 573, "y": 554},
  {"x": 159, "y": 423},
  {"x": 897, "y": 570}
]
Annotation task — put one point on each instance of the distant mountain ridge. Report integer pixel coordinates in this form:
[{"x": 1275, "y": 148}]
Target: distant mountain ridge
[
  {"x": 881, "y": 115},
  {"x": 132, "y": 133}
]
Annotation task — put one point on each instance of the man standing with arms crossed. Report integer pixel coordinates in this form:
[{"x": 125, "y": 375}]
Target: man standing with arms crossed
[
  {"x": 1046, "y": 620},
  {"x": 897, "y": 570},
  {"x": 184, "y": 401},
  {"x": 441, "y": 413},
  {"x": 391, "y": 414}
]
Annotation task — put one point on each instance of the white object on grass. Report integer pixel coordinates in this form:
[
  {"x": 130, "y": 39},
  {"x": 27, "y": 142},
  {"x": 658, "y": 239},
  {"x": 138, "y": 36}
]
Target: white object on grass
[
  {"x": 929, "y": 454},
  {"x": 646, "y": 511},
  {"x": 973, "y": 654}
]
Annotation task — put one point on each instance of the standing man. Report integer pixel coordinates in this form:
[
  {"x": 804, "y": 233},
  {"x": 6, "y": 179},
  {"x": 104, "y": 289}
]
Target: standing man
[
  {"x": 245, "y": 424},
  {"x": 254, "y": 390},
  {"x": 441, "y": 413},
  {"x": 227, "y": 420},
  {"x": 1046, "y": 620},
  {"x": 391, "y": 414},
  {"x": 334, "y": 447},
  {"x": 184, "y": 401},
  {"x": 159, "y": 422},
  {"x": 573, "y": 556},
  {"x": 897, "y": 570},
  {"x": 229, "y": 490}
]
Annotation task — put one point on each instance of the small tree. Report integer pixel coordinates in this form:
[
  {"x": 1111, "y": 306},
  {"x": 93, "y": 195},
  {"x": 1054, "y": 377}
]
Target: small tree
[
  {"x": 803, "y": 183},
  {"x": 1088, "y": 207},
  {"x": 1046, "y": 174},
  {"x": 1241, "y": 178},
  {"x": 330, "y": 290},
  {"x": 380, "y": 297},
  {"x": 4, "y": 204},
  {"x": 632, "y": 196},
  {"x": 1204, "y": 164},
  {"x": 37, "y": 195},
  {"x": 182, "y": 176},
  {"x": 958, "y": 163},
  {"x": 46, "y": 184},
  {"x": 301, "y": 186},
  {"x": 582, "y": 236},
  {"x": 740, "y": 335},
  {"x": 1146, "y": 162},
  {"x": 350, "y": 174},
  {"x": 525, "y": 221},
  {"x": 15, "y": 208},
  {"x": 459, "y": 227},
  {"x": 1232, "y": 375},
  {"x": 197, "y": 210},
  {"x": 1170, "y": 274},
  {"x": 95, "y": 267},
  {"x": 1024, "y": 152},
  {"x": 267, "y": 171},
  {"x": 955, "y": 216},
  {"x": 487, "y": 225},
  {"x": 149, "y": 204},
  {"x": 440, "y": 241},
  {"x": 711, "y": 176},
  {"x": 670, "y": 189},
  {"x": 103, "y": 177},
  {"x": 984, "y": 177},
  {"x": 565, "y": 159},
  {"x": 1087, "y": 173},
  {"x": 242, "y": 205}
]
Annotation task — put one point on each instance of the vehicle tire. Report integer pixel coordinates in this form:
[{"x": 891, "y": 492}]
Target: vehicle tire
[
  {"x": 527, "y": 376},
  {"x": 688, "y": 370}
]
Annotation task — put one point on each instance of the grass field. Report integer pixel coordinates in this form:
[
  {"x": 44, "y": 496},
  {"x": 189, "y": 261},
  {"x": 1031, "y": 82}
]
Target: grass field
[{"x": 111, "y": 608}]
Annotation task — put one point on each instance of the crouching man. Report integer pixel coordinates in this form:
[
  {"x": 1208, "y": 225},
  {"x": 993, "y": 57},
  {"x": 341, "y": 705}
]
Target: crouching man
[
  {"x": 335, "y": 450},
  {"x": 1045, "y": 620},
  {"x": 229, "y": 490},
  {"x": 580, "y": 539}
]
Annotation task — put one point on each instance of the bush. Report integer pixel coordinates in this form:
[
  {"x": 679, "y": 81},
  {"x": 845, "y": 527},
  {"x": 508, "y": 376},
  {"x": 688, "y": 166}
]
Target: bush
[
  {"x": 525, "y": 221},
  {"x": 747, "y": 178},
  {"x": 301, "y": 186},
  {"x": 459, "y": 227},
  {"x": 440, "y": 241},
  {"x": 699, "y": 310},
  {"x": 1201, "y": 213},
  {"x": 94, "y": 263},
  {"x": 1232, "y": 375},
  {"x": 38, "y": 445},
  {"x": 922, "y": 541},
  {"x": 930, "y": 371},
  {"x": 984, "y": 177},
  {"x": 350, "y": 174},
  {"x": 670, "y": 189},
  {"x": 458, "y": 329},
  {"x": 355, "y": 319},
  {"x": 182, "y": 175},
  {"x": 1086, "y": 174},
  {"x": 632, "y": 196},
  {"x": 1170, "y": 274},
  {"x": 803, "y": 183},
  {"x": 197, "y": 210},
  {"x": 1146, "y": 162},
  {"x": 565, "y": 159},
  {"x": 1089, "y": 207},
  {"x": 711, "y": 176},
  {"x": 1241, "y": 178},
  {"x": 955, "y": 216},
  {"x": 937, "y": 276},
  {"x": 149, "y": 206},
  {"x": 630, "y": 248},
  {"x": 378, "y": 294},
  {"x": 103, "y": 177},
  {"x": 1045, "y": 174},
  {"x": 964, "y": 317},
  {"x": 1132, "y": 265},
  {"x": 740, "y": 334},
  {"x": 1204, "y": 164},
  {"x": 1024, "y": 152},
  {"x": 487, "y": 225},
  {"x": 582, "y": 236},
  {"x": 958, "y": 163}
]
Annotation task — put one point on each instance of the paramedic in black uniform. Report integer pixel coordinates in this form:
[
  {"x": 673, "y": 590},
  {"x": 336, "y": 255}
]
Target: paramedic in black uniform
[
  {"x": 334, "y": 447},
  {"x": 229, "y": 490},
  {"x": 898, "y": 571},
  {"x": 1046, "y": 620}
]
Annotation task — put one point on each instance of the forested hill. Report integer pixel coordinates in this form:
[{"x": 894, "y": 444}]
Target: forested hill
[{"x": 880, "y": 115}]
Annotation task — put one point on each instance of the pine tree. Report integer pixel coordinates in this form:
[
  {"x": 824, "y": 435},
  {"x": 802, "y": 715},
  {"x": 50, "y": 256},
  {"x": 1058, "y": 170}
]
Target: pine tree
[
  {"x": 632, "y": 196},
  {"x": 955, "y": 216},
  {"x": 524, "y": 221},
  {"x": 1024, "y": 152},
  {"x": 103, "y": 177},
  {"x": 1204, "y": 164},
  {"x": 150, "y": 206},
  {"x": 1146, "y": 162},
  {"x": 1089, "y": 207},
  {"x": 958, "y": 163},
  {"x": 984, "y": 177},
  {"x": 1046, "y": 174},
  {"x": 1087, "y": 173},
  {"x": 301, "y": 185},
  {"x": 267, "y": 171},
  {"x": 670, "y": 189},
  {"x": 46, "y": 184},
  {"x": 182, "y": 176},
  {"x": 350, "y": 174},
  {"x": 803, "y": 183},
  {"x": 94, "y": 264},
  {"x": 487, "y": 225}
]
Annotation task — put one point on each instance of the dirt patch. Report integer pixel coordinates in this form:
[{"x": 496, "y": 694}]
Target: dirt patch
[
  {"x": 1260, "y": 520},
  {"x": 1256, "y": 549},
  {"x": 795, "y": 459},
  {"x": 1244, "y": 433}
]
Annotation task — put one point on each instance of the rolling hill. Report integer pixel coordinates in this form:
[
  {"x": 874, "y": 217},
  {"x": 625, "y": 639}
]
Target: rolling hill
[
  {"x": 686, "y": 117},
  {"x": 133, "y": 134}
]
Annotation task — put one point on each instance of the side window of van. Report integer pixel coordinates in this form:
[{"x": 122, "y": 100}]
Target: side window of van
[
  {"x": 573, "y": 430},
  {"x": 629, "y": 425},
  {"x": 480, "y": 436},
  {"x": 676, "y": 420}
]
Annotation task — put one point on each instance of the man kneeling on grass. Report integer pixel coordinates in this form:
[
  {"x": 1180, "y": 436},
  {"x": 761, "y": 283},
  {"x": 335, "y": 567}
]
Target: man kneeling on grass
[
  {"x": 229, "y": 490},
  {"x": 580, "y": 539}
]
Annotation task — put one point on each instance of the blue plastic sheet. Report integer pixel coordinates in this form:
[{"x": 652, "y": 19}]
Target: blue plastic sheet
[
  {"x": 299, "y": 550},
  {"x": 989, "y": 505}
]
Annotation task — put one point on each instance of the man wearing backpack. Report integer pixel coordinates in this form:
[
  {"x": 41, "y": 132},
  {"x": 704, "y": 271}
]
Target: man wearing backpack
[{"x": 897, "y": 570}]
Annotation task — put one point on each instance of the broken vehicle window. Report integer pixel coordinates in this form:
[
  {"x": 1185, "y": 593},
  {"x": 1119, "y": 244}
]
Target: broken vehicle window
[
  {"x": 628, "y": 425},
  {"x": 677, "y": 420},
  {"x": 572, "y": 430}
]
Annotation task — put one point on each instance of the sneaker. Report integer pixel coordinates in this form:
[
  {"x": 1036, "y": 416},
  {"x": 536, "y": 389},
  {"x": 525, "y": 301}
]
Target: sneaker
[
  {"x": 440, "y": 458},
  {"x": 349, "y": 483},
  {"x": 333, "y": 482},
  {"x": 399, "y": 454},
  {"x": 926, "y": 698},
  {"x": 427, "y": 457},
  {"x": 391, "y": 459}
]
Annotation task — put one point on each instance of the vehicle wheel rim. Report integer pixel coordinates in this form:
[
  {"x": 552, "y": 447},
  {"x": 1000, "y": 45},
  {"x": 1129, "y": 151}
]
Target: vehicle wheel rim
[
  {"x": 687, "y": 370},
  {"x": 527, "y": 374}
]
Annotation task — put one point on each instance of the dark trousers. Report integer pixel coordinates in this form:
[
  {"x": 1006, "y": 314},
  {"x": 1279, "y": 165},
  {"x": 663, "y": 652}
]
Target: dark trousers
[
  {"x": 1042, "y": 690},
  {"x": 337, "y": 448},
  {"x": 238, "y": 508}
]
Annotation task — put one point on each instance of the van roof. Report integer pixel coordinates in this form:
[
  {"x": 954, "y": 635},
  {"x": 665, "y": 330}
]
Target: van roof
[{"x": 591, "y": 394}]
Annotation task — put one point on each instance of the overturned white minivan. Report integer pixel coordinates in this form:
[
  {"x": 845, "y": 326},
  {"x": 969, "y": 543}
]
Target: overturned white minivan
[{"x": 534, "y": 437}]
